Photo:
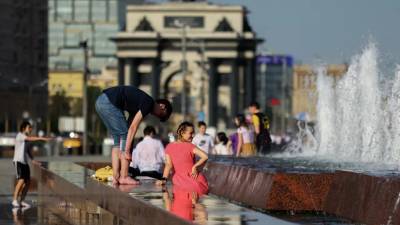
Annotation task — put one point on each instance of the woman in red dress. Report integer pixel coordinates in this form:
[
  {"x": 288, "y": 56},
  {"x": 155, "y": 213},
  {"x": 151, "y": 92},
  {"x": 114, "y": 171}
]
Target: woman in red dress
[{"x": 180, "y": 157}]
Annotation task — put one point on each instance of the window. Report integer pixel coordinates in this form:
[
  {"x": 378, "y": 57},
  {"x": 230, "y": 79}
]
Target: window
[
  {"x": 191, "y": 21},
  {"x": 82, "y": 10}
]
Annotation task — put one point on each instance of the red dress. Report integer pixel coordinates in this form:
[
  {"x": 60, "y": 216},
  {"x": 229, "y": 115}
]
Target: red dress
[{"x": 182, "y": 157}]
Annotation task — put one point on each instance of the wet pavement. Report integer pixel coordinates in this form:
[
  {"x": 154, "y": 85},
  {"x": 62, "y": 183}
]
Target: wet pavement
[
  {"x": 71, "y": 207},
  {"x": 189, "y": 206}
]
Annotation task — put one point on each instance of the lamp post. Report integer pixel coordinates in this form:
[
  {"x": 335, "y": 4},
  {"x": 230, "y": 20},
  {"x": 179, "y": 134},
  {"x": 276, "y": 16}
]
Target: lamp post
[
  {"x": 84, "y": 46},
  {"x": 183, "y": 65}
]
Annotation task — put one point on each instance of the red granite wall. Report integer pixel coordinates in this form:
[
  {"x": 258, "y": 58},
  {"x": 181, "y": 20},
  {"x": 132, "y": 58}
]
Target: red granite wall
[{"x": 364, "y": 198}]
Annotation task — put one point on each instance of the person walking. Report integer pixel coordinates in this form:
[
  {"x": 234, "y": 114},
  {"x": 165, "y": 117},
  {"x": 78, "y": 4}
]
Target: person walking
[{"x": 110, "y": 106}]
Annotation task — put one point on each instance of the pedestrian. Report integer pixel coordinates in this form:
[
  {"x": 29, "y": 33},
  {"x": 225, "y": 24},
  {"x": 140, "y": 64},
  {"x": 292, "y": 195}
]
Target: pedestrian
[
  {"x": 203, "y": 140},
  {"x": 180, "y": 157},
  {"x": 246, "y": 146},
  {"x": 20, "y": 160},
  {"x": 261, "y": 128},
  {"x": 223, "y": 146},
  {"x": 110, "y": 106}
]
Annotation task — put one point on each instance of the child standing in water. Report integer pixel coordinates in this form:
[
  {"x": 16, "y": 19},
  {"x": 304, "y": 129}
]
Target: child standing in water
[{"x": 180, "y": 156}]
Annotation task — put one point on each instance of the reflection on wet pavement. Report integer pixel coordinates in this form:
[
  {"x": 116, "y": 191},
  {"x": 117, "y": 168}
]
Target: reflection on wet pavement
[
  {"x": 206, "y": 210},
  {"x": 202, "y": 210},
  {"x": 67, "y": 195}
]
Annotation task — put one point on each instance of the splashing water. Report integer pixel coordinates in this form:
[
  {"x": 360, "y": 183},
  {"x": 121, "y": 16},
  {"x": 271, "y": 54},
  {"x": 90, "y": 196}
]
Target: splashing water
[{"x": 358, "y": 116}]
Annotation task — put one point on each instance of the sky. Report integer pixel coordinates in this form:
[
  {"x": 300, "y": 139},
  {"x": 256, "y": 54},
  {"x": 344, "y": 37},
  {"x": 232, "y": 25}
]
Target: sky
[
  {"x": 328, "y": 30},
  {"x": 331, "y": 31}
]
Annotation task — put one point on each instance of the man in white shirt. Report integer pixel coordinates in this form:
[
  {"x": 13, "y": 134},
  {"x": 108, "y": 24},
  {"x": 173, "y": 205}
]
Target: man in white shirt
[
  {"x": 149, "y": 155},
  {"x": 202, "y": 140},
  {"x": 20, "y": 160}
]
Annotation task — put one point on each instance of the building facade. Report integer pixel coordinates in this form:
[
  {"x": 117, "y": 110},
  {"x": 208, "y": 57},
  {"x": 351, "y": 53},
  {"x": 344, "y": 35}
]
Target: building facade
[
  {"x": 74, "y": 21},
  {"x": 23, "y": 62},
  {"x": 197, "y": 54},
  {"x": 304, "y": 89},
  {"x": 71, "y": 82},
  {"x": 274, "y": 89}
]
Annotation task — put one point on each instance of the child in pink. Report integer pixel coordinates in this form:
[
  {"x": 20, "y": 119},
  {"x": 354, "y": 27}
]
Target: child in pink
[{"x": 180, "y": 156}]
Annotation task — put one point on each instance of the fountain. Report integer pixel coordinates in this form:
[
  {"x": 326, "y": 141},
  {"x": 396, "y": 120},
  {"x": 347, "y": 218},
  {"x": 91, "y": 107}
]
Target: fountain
[
  {"x": 346, "y": 165},
  {"x": 358, "y": 118}
]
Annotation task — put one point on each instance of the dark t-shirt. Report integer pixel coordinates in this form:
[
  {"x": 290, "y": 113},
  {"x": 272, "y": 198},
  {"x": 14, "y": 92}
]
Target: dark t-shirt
[{"x": 130, "y": 99}]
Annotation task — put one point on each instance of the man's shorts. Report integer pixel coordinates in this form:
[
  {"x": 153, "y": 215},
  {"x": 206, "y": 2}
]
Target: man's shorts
[
  {"x": 114, "y": 119},
  {"x": 22, "y": 171}
]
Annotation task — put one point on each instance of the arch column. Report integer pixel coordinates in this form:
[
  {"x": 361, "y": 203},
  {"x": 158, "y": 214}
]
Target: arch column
[
  {"x": 155, "y": 78},
  {"x": 213, "y": 92},
  {"x": 250, "y": 81},
  {"x": 134, "y": 72},
  {"x": 121, "y": 71},
  {"x": 234, "y": 88}
]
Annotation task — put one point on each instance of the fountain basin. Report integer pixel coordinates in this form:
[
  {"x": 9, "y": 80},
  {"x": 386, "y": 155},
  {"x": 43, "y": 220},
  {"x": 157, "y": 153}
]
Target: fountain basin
[{"x": 357, "y": 196}]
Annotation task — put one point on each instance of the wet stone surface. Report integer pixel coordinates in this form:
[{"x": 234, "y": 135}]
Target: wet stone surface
[{"x": 54, "y": 206}]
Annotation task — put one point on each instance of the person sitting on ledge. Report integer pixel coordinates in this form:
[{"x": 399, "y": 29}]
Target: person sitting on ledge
[
  {"x": 148, "y": 156},
  {"x": 180, "y": 157},
  {"x": 111, "y": 106}
]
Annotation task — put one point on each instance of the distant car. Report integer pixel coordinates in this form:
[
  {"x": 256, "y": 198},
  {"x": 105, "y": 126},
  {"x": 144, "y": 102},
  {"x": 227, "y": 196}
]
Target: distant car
[
  {"x": 72, "y": 143},
  {"x": 7, "y": 140}
]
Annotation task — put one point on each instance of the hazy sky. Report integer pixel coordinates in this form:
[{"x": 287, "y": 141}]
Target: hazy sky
[{"x": 328, "y": 30}]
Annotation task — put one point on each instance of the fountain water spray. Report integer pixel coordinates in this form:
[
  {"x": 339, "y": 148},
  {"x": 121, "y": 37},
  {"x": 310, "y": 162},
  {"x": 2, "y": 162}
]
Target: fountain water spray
[{"x": 358, "y": 115}]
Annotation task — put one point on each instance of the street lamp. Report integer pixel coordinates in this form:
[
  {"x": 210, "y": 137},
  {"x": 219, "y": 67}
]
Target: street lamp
[
  {"x": 183, "y": 65},
  {"x": 84, "y": 46}
]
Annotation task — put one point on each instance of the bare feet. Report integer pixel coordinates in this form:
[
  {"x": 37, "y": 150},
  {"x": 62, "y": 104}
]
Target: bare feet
[
  {"x": 115, "y": 179},
  {"x": 127, "y": 180}
]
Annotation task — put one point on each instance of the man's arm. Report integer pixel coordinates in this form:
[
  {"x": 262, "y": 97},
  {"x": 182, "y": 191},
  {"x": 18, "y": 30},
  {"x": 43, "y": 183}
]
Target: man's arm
[
  {"x": 132, "y": 131},
  {"x": 33, "y": 138}
]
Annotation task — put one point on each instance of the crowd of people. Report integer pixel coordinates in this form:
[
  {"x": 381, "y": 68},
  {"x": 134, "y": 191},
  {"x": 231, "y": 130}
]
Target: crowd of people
[
  {"x": 182, "y": 160},
  {"x": 251, "y": 137}
]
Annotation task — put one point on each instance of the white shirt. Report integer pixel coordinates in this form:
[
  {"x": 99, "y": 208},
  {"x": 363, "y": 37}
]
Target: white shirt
[
  {"x": 221, "y": 149},
  {"x": 133, "y": 163},
  {"x": 247, "y": 134},
  {"x": 149, "y": 154},
  {"x": 20, "y": 154},
  {"x": 204, "y": 142}
]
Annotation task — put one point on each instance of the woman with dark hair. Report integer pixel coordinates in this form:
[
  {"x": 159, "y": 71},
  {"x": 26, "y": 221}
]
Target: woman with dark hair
[
  {"x": 246, "y": 146},
  {"x": 224, "y": 145}
]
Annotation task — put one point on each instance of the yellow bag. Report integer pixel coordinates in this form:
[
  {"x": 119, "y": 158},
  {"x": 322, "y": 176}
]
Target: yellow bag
[{"x": 104, "y": 174}]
